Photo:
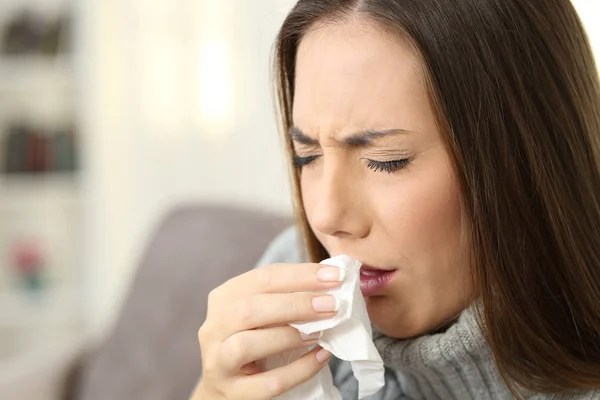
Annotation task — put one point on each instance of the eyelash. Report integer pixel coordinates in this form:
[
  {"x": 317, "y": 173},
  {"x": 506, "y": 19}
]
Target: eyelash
[
  {"x": 300, "y": 162},
  {"x": 388, "y": 166},
  {"x": 378, "y": 166}
]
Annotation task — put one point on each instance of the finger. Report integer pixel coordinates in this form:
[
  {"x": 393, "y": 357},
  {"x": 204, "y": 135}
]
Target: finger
[
  {"x": 249, "y": 346},
  {"x": 285, "y": 278},
  {"x": 280, "y": 380},
  {"x": 262, "y": 310}
]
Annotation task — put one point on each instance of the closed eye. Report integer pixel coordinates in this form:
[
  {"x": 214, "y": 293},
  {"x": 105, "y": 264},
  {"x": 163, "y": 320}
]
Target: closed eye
[
  {"x": 378, "y": 166},
  {"x": 388, "y": 166},
  {"x": 300, "y": 162}
]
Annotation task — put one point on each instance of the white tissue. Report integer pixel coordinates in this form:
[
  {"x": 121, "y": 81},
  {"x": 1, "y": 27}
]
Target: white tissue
[{"x": 348, "y": 336}]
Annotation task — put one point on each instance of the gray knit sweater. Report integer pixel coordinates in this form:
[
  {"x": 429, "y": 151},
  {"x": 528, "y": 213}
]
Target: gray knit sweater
[{"x": 456, "y": 364}]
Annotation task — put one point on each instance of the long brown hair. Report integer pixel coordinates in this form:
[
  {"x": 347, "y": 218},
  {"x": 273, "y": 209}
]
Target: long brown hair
[{"x": 516, "y": 94}]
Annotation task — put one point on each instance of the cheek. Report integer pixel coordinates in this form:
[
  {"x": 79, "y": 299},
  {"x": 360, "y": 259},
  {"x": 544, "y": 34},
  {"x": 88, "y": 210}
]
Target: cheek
[
  {"x": 422, "y": 215},
  {"x": 421, "y": 223},
  {"x": 307, "y": 194}
]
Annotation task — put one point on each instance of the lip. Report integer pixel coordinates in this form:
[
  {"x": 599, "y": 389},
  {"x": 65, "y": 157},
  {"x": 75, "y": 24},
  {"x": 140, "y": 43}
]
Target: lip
[
  {"x": 374, "y": 280},
  {"x": 368, "y": 268}
]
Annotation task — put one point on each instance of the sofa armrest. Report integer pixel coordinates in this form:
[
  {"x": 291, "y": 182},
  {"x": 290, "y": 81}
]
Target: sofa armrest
[{"x": 153, "y": 353}]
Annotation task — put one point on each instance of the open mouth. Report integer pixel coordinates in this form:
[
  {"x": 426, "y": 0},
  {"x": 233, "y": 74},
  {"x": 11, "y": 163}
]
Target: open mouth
[
  {"x": 372, "y": 271},
  {"x": 374, "y": 280}
]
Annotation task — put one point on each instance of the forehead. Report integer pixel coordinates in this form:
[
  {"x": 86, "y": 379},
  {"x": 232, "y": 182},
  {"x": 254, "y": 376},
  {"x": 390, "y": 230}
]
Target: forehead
[{"x": 354, "y": 75}]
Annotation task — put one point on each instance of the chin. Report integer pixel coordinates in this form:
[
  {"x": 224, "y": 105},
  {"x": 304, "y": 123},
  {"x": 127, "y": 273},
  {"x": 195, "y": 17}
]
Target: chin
[
  {"x": 389, "y": 328},
  {"x": 392, "y": 321}
]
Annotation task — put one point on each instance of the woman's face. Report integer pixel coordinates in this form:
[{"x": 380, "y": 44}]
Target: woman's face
[{"x": 376, "y": 180}]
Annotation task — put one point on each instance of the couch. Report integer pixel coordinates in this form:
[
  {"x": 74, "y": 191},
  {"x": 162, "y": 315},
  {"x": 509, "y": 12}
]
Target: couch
[{"x": 152, "y": 353}]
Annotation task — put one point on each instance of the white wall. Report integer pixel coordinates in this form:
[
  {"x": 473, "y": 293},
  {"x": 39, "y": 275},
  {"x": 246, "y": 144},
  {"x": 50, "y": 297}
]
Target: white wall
[
  {"x": 154, "y": 139},
  {"x": 589, "y": 12}
]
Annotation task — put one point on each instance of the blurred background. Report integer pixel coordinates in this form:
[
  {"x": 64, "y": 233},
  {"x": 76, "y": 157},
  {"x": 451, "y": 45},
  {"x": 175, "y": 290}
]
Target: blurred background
[{"x": 112, "y": 114}]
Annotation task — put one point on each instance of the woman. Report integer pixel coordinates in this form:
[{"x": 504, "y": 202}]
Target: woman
[{"x": 453, "y": 148}]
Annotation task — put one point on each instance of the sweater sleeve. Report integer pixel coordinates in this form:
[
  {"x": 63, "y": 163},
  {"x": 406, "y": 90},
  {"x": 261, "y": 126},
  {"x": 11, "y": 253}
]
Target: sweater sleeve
[{"x": 285, "y": 248}]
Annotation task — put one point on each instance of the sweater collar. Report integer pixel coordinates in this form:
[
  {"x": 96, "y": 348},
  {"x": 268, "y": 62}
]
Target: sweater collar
[{"x": 461, "y": 340}]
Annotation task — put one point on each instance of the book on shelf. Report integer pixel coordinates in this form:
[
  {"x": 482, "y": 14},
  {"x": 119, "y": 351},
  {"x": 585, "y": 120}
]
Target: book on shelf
[{"x": 29, "y": 150}]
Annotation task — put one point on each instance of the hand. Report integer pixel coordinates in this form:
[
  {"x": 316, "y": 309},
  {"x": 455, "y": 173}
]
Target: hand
[{"x": 247, "y": 321}]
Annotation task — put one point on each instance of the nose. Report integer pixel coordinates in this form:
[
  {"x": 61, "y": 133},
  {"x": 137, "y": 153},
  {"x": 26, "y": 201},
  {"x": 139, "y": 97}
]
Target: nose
[{"x": 339, "y": 206}]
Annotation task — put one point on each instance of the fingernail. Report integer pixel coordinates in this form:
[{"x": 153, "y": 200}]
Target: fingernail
[
  {"x": 325, "y": 304},
  {"x": 331, "y": 274},
  {"x": 312, "y": 336},
  {"x": 323, "y": 355}
]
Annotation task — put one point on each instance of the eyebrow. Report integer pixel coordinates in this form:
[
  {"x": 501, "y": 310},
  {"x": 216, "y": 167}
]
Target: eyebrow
[{"x": 358, "y": 139}]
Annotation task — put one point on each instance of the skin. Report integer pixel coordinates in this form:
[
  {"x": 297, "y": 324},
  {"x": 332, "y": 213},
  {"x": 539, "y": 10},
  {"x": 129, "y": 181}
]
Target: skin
[
  {"x": 247, "y": 321},
  {"x": 353, "y": 77}
]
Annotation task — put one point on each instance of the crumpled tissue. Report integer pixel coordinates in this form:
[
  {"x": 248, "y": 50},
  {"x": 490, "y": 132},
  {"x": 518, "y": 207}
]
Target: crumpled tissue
[{"x": 347, "y": 336}]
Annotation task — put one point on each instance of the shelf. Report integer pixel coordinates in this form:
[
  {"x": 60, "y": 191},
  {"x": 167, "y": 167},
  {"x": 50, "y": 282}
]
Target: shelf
[
  {"x": 39, "y": 370},
  {"x": 35, "y": 73},
  {"x": 36, "y": 5},
  {"x": 29, "y": 191},
  {"x": 35, "y": 181},
  {"x": 54, "y": 308},
  {"x": 30, "y": 323}
]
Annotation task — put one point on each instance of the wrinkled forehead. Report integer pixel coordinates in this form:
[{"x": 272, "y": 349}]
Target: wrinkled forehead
[{"x": 351, "y": 75}]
